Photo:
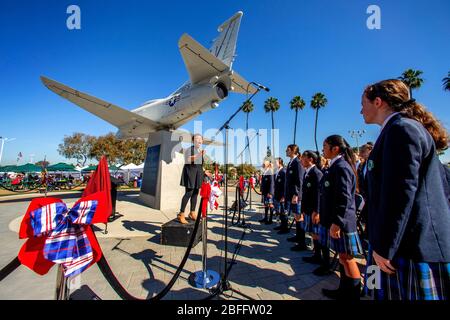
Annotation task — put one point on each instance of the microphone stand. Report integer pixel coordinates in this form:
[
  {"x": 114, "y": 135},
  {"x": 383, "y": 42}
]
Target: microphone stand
[{"x": 224, "y": 284}]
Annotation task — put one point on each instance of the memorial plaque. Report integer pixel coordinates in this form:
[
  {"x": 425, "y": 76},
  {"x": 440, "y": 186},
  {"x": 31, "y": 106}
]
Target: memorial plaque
[{"x": 151, "y": 168}]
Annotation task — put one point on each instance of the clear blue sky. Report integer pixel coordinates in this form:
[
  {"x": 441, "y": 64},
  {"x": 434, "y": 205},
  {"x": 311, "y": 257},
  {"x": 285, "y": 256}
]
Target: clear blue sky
[{"x": 126, "y": 53}]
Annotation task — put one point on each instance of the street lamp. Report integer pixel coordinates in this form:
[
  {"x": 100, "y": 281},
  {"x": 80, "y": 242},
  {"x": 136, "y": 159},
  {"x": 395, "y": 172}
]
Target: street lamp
[
  {"x": 3, "y": 140},
  {"x": 357, "y": 134}
]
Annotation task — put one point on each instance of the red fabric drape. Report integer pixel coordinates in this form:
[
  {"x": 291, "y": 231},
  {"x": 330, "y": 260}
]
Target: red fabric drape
[
  {"x": 205, "y": 193},
  {"x": 100, "y": 181}
]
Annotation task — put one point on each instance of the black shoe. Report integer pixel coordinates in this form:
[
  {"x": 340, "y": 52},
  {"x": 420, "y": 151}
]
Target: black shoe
[
  {"x": 292, "y": 239},
  {"x": 313, "y": 260},
  {"x": 277, "y": 228},
  {"x": 335, "y": 294},
  {"x": 322, "y": 271},
  {"x": 283, "y": 231},
  {"x": 299, "y": 248},
  {"x": 354, "y": 290},
  {"x": 269, "y": 222}
]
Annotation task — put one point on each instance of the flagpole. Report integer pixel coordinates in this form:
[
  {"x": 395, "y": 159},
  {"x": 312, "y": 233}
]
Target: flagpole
[{"x": 45, "y": 175}]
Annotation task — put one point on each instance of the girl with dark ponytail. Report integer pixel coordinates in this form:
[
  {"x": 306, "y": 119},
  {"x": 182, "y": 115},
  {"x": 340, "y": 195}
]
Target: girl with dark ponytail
[
  {"x": 408, "y": 210},
  {"x": 337, "y": 215}
]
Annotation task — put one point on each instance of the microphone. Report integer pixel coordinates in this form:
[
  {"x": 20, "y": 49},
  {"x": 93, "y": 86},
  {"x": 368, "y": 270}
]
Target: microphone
[{"x": 261, "y": 86}]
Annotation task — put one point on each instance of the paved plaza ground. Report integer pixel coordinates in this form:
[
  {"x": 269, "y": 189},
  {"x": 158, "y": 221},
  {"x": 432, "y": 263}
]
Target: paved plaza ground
[{"x": 265, "y": 266}]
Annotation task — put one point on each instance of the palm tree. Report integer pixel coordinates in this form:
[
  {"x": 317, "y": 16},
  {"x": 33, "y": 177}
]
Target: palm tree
[
  {"x": 318, "y": 101},
  {"x": 271, "y": 105},
  {"x": 412, "y": 79},
  {"x": 297, "y": 103},
  {"x": 247, "y": 107},
  {"x": 446, "y": 82}
]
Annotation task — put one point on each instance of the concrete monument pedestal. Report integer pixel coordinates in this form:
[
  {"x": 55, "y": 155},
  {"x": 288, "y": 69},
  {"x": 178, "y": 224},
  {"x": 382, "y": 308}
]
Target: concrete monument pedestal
[{"x": 164, "y": 163}]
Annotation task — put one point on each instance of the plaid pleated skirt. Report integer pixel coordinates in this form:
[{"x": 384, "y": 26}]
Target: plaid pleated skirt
[
  {"x": 348, "y": 243},
  {"x": 308, "y": 225},
  {"x": 293, "y": 208},
  {"x": 268, "y": 201},
  {"x": 415, "y": 281},
  {"x": 278, "y": 206}
]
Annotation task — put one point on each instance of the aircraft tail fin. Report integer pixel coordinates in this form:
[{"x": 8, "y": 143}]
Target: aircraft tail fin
[
  {"x": 224, "y": 46},
  {"x": 203, "y": 65}
]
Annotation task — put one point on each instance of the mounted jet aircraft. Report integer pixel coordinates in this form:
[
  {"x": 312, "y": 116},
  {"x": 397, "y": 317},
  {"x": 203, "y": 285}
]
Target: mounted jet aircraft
[{"x": 211, "y": 80}]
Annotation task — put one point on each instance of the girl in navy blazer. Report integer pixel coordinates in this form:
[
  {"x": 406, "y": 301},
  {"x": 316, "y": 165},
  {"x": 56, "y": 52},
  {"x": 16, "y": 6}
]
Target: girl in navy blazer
[
  {"x": 337, "y": 214},
  {"x": 280, "y": 185},
  {"x": 310, "y": 202},
  {"x": 293, "y": 191},
  {"x": 409, "y": 213},
  {"x": 267, "y": 191}
]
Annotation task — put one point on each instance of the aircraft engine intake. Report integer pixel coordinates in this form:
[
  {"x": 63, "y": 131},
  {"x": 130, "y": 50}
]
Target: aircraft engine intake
[{"x": 221, "y": 91}]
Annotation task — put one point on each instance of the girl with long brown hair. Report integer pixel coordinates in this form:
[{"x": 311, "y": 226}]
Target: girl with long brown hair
[{"x": 409, "y": 214}]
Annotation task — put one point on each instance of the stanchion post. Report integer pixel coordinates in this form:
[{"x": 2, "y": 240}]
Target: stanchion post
[
  {"x": 238, "y": 203},
  {"x": 62, "y": 289},
  {"x": 205, "y": 278}
]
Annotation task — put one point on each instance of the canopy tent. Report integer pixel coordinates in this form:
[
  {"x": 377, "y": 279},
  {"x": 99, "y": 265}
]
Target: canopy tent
[
  {"x": 132, "y": 170},
  {"x": 79, "y": 168},
  {"x": 93, "y": 168},
  {"x": 141, "y": 166},
  {"x": 8, "y": 168},
  {"x": 113, "y": 168},
  {"x": 62, "y": 167},
  {"x": 88, "y": 169},
  {"x": 29, "y": 167},
  {"x": 130, "y": 166}
]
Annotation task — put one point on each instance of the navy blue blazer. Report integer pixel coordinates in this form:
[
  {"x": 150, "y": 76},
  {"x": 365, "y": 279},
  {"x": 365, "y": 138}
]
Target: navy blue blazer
[
  {"x": 409, "y": 215},
  {"x": 280, "y": 184},
  {"x": 294, "y": 179},
  {"x": 311, "y": 191},
  {"x": 362, "y": 179},
  {"x": 267, "y": 184},
  {"x": 337, "y": 197},
  {"x": 446, "y": 180}
]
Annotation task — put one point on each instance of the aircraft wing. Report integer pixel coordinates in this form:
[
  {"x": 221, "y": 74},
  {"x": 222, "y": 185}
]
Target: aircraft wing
[{"x": 109, "y": 112}]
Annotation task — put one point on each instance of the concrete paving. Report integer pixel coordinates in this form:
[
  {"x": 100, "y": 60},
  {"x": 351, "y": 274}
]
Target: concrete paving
[{"x": 265, "y": 267}]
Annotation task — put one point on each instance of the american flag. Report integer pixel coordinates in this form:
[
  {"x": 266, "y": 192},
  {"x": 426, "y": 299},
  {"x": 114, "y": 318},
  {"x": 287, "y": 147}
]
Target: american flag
[{"x": 19, "y": 156}]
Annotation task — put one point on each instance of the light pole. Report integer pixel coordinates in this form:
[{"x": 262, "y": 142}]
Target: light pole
[
  {"x": 3, "y": 140},
  {"x": 357, "y": 134}
]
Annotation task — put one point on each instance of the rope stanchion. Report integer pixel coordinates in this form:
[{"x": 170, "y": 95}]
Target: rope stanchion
[
  {"x": 124, "y": 294},
  {"x": 248, "y": 193},
  {"x": 109, "y": 274},
  {"x": 9, "y": 268},
  {"x": 258, "y": 193},
  {"x": 234, "y": 185},
  {"x": 204, "y": 278}
]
